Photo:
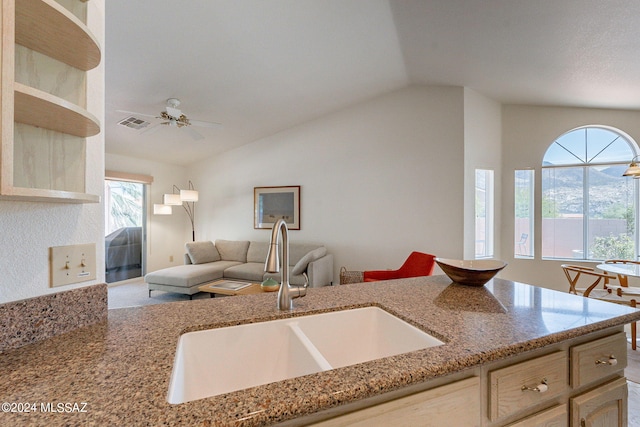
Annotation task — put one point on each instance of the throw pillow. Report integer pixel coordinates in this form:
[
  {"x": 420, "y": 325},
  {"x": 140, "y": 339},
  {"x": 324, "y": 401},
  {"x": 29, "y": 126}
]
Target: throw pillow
[
  {"x": 301, "y": 265},
  {"x": 233, "y": 250},
  {"x": 202, "y": 252}
]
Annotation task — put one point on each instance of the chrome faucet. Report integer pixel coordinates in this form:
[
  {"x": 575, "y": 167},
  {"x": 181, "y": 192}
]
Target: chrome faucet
[{"x": 286, "y": 293}]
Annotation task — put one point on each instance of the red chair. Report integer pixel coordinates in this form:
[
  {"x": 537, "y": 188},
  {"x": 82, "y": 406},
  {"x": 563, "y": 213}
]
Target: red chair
[{"x": 418, "y": 264}]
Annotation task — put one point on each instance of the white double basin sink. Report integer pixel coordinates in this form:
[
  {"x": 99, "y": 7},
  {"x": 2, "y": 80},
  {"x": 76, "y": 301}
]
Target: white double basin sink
[{"x": 217, "y": 361}]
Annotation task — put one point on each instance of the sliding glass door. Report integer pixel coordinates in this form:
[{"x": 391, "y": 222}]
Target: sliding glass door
[{"x": 124, "y": 230}]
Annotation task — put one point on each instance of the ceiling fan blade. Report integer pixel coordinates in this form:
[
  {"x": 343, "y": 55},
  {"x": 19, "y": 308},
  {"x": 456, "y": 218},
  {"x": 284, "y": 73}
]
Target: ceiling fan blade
[
  {"x": 195, "y": 135},
  {"x": 205, "y": 124},
  {"x": 136, "y": 114},
  {"x": 151, "y": 129}
]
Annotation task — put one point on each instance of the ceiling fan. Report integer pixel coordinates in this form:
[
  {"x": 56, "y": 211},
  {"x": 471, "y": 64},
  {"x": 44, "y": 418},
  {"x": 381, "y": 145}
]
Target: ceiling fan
[{"x": 173, "y": 117}]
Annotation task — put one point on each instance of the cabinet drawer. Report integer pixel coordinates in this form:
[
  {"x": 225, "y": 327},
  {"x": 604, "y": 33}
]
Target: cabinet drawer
[
  {"x": 514, "y": 387},
  {"x": 597, "y": 359},
  {"x": 457, "y": 403},
  {"x": 554, "y": 417}
]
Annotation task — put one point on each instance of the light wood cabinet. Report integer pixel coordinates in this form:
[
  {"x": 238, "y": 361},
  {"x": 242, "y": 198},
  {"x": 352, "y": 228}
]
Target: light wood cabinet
[
  {"x": 606, "y": 406},
  {"x": 574, "y": 383},
  {"x": 520, "y": 386},
  {"x": 45, "y": 125},
  {"x": 554, "y": 417},
  {"x": 585, "y": 374},
  {"x": 457, "y": 403},
  {"x": 598, "y": 359}
]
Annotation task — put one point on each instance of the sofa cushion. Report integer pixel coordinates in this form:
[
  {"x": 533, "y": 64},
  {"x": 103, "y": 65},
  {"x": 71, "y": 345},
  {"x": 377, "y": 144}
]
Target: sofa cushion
[
  {"x": 298, "y": 250},
  {"x": 202, "y": 252},
  {"x": 189, "y": 275},
  {"x": 258, "y": 252},
  {"x": 252, "y": 271},
  {"x": 301, "y": 265},
  {"x": 233, "y": 250}
]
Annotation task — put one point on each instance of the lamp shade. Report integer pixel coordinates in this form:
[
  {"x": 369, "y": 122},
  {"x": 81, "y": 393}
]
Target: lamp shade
[
  {"x": 633, "y": 170},
  {"x": 189, "y": 195},
  {"x": 159, "y": 209},
  {"x": 172, "y": 199}
]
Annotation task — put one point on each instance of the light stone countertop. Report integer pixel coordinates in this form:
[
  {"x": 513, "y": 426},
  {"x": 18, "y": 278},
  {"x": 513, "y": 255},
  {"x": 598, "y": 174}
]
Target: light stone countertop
[{"x": 121, "y": 368}]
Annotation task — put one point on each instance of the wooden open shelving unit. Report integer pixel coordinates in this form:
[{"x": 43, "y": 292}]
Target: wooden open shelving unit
[
  {"x": 37, "y": 108},
  {"x": 48, "y": 28}
]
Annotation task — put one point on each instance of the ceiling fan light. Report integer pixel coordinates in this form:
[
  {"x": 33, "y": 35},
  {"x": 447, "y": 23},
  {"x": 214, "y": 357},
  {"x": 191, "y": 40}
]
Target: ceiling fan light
[
  {"x": 172, "y": 199},
  {"x": 189, "y": 195},
  {"x": 159, "y": 209}
]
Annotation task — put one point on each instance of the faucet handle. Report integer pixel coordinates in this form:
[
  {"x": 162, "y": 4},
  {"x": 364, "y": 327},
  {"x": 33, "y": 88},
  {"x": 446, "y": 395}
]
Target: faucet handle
[{"x": 306, "y": 280}]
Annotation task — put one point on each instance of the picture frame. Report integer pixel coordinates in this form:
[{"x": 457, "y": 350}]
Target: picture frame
[{"x": 273, "y": 203}]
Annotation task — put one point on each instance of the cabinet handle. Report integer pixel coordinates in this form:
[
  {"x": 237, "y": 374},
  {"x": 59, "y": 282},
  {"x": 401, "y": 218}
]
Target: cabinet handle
[
  {"x": 540, "y": 388},
  {"x": 611, "y": 361}
]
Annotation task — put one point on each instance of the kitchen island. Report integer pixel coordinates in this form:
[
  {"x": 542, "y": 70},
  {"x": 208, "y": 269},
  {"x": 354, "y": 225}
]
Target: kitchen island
[{"x": 117, "y": 372}]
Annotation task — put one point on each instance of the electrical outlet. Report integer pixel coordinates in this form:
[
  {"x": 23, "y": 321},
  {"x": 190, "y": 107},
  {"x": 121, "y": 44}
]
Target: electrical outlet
[
  {"x": 170, "y": 258},
  {"x": 72, "y": 264}
]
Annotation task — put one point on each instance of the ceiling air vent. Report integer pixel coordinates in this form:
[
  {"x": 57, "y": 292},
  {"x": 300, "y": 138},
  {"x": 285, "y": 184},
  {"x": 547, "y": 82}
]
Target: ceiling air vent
[{"x": 134, "y": 123}]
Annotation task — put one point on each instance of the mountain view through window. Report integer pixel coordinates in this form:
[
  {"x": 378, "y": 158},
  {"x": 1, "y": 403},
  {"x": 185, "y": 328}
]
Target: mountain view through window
[{"x": 589, "y": 210}]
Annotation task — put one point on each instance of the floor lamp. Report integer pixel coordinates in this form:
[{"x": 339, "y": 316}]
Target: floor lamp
[{"x": 185, "y": 198}]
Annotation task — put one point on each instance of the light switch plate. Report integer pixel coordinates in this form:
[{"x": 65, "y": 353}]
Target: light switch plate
[{"x": 72, "y": 264}]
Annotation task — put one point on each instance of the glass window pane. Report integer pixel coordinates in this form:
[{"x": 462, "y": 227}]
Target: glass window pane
[
  {"x": 588, "y": 145},
  {"x": 600, "y": 143},
  {"x": 574, "y": 142},
  {"x": 124, "y": 216},
  {"x": 607, "y": 229},
  {"x": 523, "y": 208},
  {"x": 484, "y": 213},
  {"x": 123, "y": 205},
  {"x": 611, "y": 214},
  {"x": 562, "y": 213},
  {"x": 558, "y": 155}
]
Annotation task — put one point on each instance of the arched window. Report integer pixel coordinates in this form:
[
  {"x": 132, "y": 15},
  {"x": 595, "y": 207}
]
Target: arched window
[{"x": 589, "y": 210}]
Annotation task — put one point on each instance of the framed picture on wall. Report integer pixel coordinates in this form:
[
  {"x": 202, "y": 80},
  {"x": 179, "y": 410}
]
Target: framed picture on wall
[{"x": 273, "y": 203}]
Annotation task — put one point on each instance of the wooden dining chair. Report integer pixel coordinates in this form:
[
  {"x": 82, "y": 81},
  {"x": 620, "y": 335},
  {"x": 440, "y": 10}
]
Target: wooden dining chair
[{"x": 575, "y": 272}]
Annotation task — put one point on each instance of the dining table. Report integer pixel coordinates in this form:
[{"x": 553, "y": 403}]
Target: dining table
[
  {"x": 631, "y": 293},
  {"x": 624, "y": 269}
]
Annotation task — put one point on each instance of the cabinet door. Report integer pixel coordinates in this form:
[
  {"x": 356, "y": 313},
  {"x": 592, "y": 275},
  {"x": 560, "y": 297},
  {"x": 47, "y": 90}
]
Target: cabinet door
[
  {"x": 452, "y": 404},
  {"x": 605, "y": 406}
]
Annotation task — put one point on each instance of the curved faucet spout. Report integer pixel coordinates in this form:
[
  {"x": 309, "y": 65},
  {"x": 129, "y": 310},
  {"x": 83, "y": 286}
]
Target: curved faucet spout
[{"x": 286, "y": 293}]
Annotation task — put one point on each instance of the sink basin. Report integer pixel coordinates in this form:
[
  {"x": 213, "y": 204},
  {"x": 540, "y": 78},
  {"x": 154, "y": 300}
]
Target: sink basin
[{"x": 217, "y": 361}]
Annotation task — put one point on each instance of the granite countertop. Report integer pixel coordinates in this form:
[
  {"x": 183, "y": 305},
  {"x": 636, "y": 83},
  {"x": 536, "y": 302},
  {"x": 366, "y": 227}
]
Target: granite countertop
[{"x": 117, "y": 372}]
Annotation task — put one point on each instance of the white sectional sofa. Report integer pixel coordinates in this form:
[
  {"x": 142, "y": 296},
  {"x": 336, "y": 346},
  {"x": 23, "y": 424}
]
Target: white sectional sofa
[{"x": 240, "y": 260}]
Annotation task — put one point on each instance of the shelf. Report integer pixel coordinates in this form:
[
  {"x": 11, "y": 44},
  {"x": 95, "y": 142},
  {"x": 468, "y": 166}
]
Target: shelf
[
  {"x": 44, "y": 195},
  {"x": 47, "y": 27},
  {"x": 37, "y": 108}
]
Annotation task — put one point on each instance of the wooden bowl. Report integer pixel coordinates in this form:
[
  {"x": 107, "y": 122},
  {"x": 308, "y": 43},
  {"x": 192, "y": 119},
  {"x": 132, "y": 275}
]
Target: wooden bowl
[{"x": 475, "y": 272}]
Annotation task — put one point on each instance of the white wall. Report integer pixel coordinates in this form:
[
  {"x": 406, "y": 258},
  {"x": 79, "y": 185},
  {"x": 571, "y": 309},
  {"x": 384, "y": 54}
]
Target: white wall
[
  {"x": 377, "y": 180},
  {"x": 527, "y": 133},
  {"x": 482, "y": 150},
  {"x": 28, "y": 229},
  {"x": 166, "y": 234}
]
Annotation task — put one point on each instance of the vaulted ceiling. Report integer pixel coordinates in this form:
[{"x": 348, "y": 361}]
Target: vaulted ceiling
[{"x": 260, "y": 66}]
